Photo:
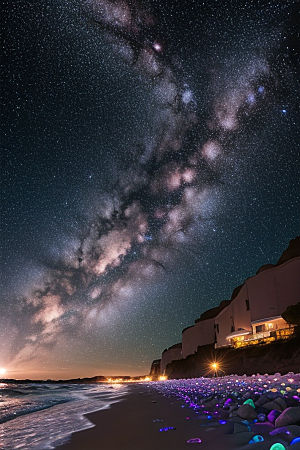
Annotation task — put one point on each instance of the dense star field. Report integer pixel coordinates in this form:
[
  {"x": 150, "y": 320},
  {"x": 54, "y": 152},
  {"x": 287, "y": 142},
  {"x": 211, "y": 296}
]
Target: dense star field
[{"x": 150, "y": 162}]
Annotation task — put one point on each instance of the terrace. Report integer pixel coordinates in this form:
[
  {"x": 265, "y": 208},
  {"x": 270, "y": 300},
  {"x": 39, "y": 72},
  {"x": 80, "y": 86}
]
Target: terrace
[{"x": 263, "y": 332}]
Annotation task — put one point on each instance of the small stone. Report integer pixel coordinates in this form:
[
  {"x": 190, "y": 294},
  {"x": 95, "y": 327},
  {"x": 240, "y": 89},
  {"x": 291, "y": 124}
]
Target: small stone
[
  {"x": 289, "y": 416},
  {"x": 261, "y": 417},
  {"x": 277, "y": 446},
  {"x": 281, "y": 402},
  {"x": 256, "y": 438},
  {"x": 273, "y": 405},
  {"x": 272, "y": 416},
  {"x": 246, "y": 411},
  {"x": 294, "y": 430},
  {"x": 262, "y": 399},
  {"x": 249, "y": 402},
  {"x": 194, "y": 441}
]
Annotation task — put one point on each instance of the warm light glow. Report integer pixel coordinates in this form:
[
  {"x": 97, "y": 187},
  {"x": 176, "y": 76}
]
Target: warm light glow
[
  {"x": 2, "y": 371},
  {"x": 214, "y": 366},
  {"x": 162, "y": 378},
  {"x": 128, "y": 380}
]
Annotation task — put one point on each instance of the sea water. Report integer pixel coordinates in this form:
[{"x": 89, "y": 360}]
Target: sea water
[{"x": 43, "y": 416}]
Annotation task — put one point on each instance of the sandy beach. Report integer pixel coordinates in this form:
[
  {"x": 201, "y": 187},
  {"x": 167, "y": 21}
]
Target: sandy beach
[
  {"x": 131, "y": 424},
  {"x": 135, "y": 423}
]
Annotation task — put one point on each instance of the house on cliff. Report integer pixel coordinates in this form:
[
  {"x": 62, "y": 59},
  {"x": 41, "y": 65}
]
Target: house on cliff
[
  {"x": 203, "y": 332},
  {"x": 252, "y": 315}
]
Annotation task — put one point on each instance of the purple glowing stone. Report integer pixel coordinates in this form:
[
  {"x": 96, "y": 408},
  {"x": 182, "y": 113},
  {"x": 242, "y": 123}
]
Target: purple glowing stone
[{"x": 194, "y": 441}]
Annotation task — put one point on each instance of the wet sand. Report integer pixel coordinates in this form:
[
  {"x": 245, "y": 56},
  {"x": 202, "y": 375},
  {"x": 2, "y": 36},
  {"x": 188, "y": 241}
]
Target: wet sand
[{"x": 132, "y": 424}]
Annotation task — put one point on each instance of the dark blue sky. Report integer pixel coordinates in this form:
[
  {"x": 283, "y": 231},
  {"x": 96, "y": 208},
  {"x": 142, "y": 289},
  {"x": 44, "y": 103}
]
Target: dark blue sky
[{"x": 150, "y": 163}]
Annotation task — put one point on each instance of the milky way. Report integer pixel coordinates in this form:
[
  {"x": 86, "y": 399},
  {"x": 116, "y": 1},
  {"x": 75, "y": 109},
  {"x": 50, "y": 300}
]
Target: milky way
[{"x": 209, "y": 122}]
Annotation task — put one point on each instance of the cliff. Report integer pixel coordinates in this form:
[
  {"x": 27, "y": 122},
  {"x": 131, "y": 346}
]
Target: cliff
[
  {"x": 293, "y": 251},
  {"x": 280, "y": 356},
  {"x": 155, "y": 368}
]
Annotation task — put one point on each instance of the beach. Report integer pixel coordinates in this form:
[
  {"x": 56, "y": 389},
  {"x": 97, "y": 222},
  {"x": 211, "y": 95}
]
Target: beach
[
  {"x": 148, "y": 419},
  {"x": 132, "y": 424}
]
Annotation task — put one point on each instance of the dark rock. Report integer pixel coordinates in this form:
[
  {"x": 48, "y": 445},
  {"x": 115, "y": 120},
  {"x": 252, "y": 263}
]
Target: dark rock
[
  {"x": 262, "y": 410},
  {"x": 293, "y": 430},
  {"x": 246, "y": 411},
  {"x": 281, "y": 402},
  {"x": 261, "y": 400},
  {"x": 290, "y": 416},
  {"x": 276, "y": 404}
]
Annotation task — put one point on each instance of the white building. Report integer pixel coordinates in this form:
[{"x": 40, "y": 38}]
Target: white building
[
  {"x": 170, "y": 354},
  {"x": 253, "y": 314}
]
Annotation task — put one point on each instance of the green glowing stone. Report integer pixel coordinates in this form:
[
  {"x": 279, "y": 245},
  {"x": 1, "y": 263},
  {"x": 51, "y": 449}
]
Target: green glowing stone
[
  {"x": 249, "y": 402},
  {"x": 277, "y": 446}
]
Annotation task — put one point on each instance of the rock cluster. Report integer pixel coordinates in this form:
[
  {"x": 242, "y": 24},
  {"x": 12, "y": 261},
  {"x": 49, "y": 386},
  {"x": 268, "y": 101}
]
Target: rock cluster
[{"x": 281, "y": 413}]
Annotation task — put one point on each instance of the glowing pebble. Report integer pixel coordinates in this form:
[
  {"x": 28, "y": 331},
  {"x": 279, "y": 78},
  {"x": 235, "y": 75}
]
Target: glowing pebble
[
  {"x": 194, "y": 441},
  {"x": 277, "y": 446},
  {"x": 256, "y": 438},
  {"x": 261, "y": 417},
  {"x": 297, "y": 439},
  {"x": 249, "y": 402}
]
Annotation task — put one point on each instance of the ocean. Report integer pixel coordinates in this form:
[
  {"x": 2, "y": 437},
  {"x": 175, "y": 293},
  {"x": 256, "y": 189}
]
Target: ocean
[{"x": 43, "y": 416}]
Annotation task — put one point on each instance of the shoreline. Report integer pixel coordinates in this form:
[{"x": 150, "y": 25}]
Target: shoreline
[{"x": 134, "y": 423}]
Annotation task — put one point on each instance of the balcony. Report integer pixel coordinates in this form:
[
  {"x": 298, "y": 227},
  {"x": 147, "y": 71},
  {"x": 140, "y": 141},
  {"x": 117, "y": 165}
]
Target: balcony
[{"x": 264, "y": 337}]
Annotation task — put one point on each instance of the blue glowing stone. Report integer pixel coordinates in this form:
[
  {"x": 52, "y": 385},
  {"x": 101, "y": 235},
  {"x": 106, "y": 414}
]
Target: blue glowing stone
[
  {"x": 167, "y": 429},
  {"x": 194, "y": 441},
  {"x": 222, "y": 422},
  {"x": 261, "y": 417},
  {"x": 256, "y": 438},
  {"x": 284, "y": 111},
  {"x": 261, "y": 89},
  {"x": 297, "y": 439}
]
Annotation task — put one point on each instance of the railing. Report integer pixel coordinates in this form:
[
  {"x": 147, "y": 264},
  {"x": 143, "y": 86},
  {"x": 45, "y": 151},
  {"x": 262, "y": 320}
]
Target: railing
[{"x": 264, "y": 337}]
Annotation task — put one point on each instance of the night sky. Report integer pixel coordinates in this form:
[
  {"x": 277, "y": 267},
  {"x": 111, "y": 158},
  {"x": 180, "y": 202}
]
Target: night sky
[{"x": 150, "y": 163}]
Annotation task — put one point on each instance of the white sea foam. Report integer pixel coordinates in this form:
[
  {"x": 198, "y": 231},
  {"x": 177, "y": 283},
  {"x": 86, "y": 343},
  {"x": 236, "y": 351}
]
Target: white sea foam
[{"x": 48, "y": 428}]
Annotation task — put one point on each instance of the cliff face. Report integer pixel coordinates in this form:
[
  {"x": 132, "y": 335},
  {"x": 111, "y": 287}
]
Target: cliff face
[
  {"x": 280, "y": 356},
  {"x": 293, "y": 251},
  {"x": 155, "y": 368}
]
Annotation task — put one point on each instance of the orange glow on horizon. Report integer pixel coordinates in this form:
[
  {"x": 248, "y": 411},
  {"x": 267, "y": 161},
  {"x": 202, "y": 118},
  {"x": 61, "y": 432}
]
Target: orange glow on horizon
[
  {"x": 162, "y": 378},
  {"x": 130, "y": 380}
]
